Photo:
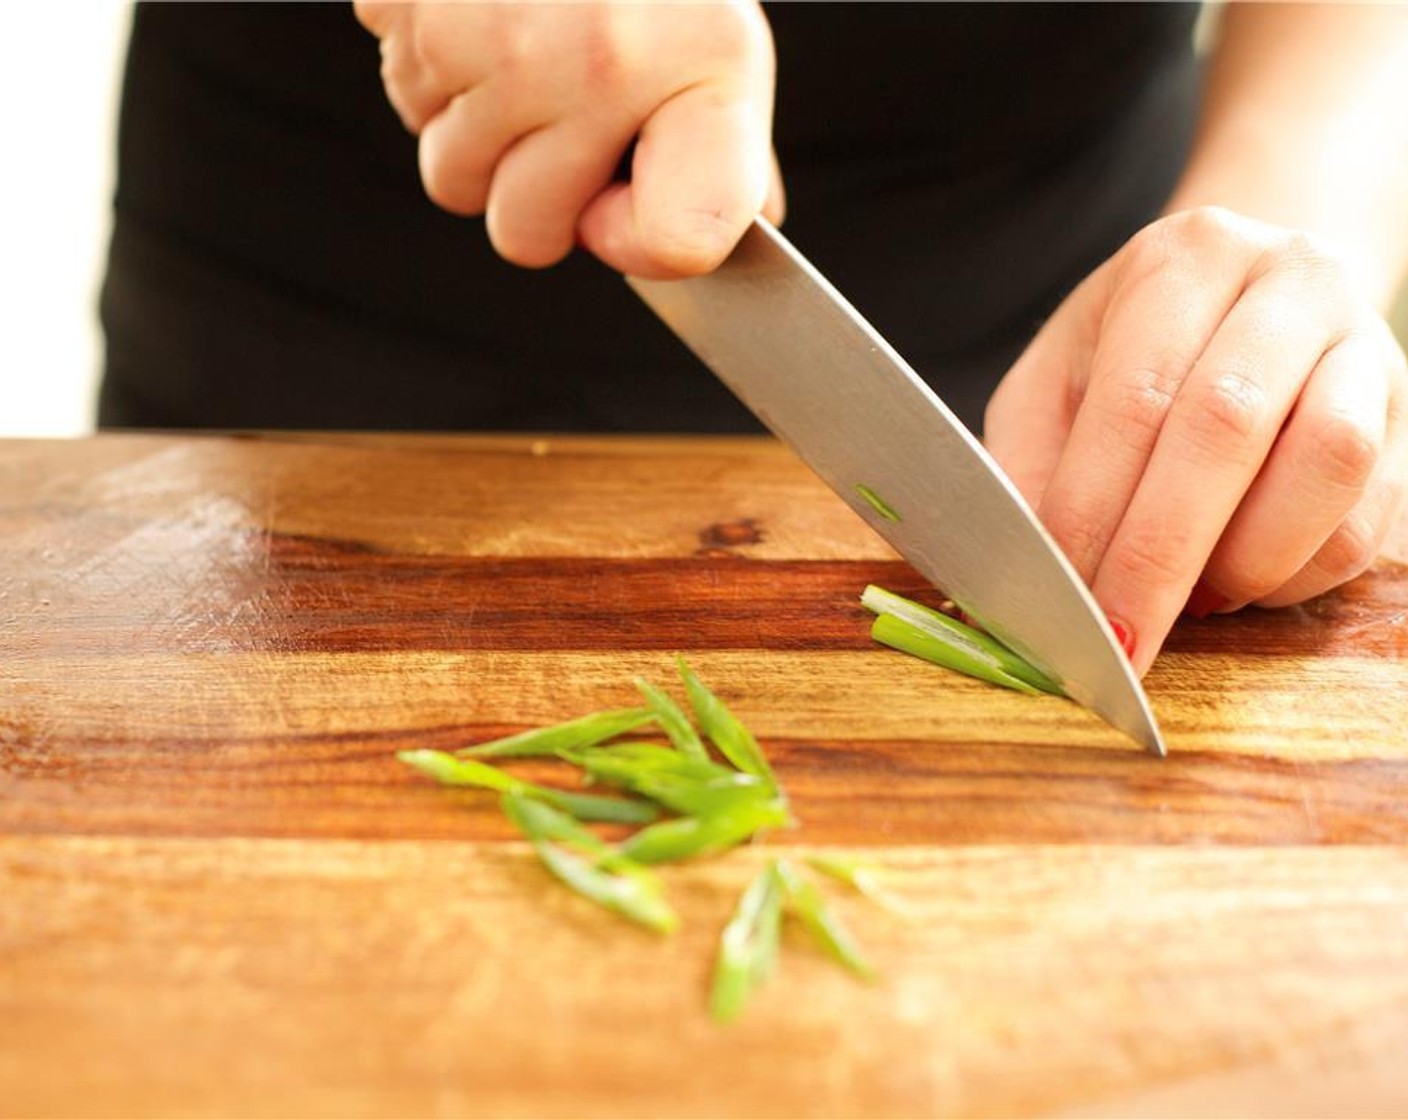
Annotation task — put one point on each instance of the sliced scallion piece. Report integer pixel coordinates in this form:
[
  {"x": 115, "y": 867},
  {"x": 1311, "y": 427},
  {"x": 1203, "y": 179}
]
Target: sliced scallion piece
[
  {"x": 857, "y": 873},
  {"x": 671, "y": 717},
  {"x": 877, "y": 503},
  {"x": 862, "y": 875},
  {"x": 941, "y": 627},
  {"x": 687, "y": 837},
  {"x": 695, "y": 786},
  {"x": 897, "y": 633},
  {"x": 591, "y": 867},
  {"x": 748, "y": 946},
  {"x": 452, "y": 771},
  {"x": 724, "y": 729},
  {"x": 584, "y": 731},
  {"x": 804, "y": 900}
]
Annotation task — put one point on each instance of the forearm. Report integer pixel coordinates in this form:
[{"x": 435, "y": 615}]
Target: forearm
[{"x": 1305, "y": 124}]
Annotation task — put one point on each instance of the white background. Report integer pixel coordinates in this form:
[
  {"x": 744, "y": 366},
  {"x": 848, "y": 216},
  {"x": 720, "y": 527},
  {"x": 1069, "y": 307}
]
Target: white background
[{"x": 58, "y": 107}]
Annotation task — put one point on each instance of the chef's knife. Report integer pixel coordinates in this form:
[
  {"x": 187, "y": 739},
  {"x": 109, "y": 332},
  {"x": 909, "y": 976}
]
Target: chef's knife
[{"x": 796, "y": 353}]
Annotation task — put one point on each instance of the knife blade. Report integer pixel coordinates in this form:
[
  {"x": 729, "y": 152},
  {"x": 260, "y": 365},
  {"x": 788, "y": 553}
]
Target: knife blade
[{"x": 821, "y": 378}]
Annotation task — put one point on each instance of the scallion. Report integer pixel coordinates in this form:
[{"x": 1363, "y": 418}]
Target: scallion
[
  {"x": 748, "y": 946},
  {"x": 679, "y": 782},
  {"x": 895, "y": 632},
  {"x": 877, "y": 503},
  {"x": 862, "y": 875},
  {"x": 452, "y": 771},
  {"x": 808, "y": 903},
  {"x": 590, "y": 866},
  {"x": 585, "y": 731},
  {"x": 724, "y": 729},
  {"x": 687, "y": 837},
  {"x": 671, "y": 717},
  {"x": 979, "y": 648}
]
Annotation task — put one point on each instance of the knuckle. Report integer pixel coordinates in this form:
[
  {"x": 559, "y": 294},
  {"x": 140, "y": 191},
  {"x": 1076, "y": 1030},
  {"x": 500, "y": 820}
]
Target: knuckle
[
  {"x": 621, "y": 47},
  {"x": 617, "y": 48},
  {"x": 1174, "y": 244},
  {"x": 430, "y": 45},
  {"x": 1150, "y": 555},
  {"x": 733, "y": 32},
  {"x": 1349, "y": 550},
  {"x": 1249, "y": 571},
  {"x": 1201, "y": 224},
  {"x": 374, "y": 15},
  {"x": 1193, "y": 228},
  {"x": 1082, "y": 537},
  {"x": 1343, "y": 452},
  {"x": 1136, "y": 407},
  {"x": 1246, "y": 580},
  {"x": 1291, "y": 249},
  {"x": 1227, "y": 413},
  {"x": 608, "y": 65},
  {"x": 1300, "y": 256},
  {"x": 1151, "y": 249}
]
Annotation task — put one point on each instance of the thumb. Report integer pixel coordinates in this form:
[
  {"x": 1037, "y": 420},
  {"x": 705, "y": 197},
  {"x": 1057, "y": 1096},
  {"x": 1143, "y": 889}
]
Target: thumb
[
  {"x": 702, "y": 172},
  {"x": 1029, "y": 418}
]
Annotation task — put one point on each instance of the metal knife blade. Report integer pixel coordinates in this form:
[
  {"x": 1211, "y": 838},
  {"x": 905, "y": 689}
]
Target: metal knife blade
[{"x": 814, "y": 371}]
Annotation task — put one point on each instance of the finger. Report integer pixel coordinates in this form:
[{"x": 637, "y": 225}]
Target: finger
[
  {"x": 700, "y": 175},
  {"x": 1360, "y": 536},
  {"x": 1169, "y": 289},
  {"x": 542, "y": 184},
  {"x": 1028, "y": 419},
  {"x": 378, "y": 16},
  {"x": 1317, "y": 473},
  {"x": 429, "y": 54},
  {"x": 412, "y": 91},
  {"x": 1219, "y": 430},
  {"x": 461, "y": 146},
  {"x": 1350, "y": 549}
]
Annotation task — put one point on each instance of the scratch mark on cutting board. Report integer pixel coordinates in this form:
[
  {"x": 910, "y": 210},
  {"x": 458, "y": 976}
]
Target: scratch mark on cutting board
[{"x": 1311, "y": 818}]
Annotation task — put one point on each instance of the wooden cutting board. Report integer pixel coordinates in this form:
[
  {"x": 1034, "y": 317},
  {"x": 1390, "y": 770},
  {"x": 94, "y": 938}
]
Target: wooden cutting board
[{"x": 222, "y": 894}]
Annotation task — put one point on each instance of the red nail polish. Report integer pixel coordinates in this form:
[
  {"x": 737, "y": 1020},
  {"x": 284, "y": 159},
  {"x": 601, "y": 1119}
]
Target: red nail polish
[
  {"x": 1124, "y": 635},
  {"x": 1204, "y": 600}
]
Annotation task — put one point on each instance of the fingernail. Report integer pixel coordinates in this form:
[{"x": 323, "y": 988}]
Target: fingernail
[
  {"x": 1124, "y": 635},
  {"x": 1204, "y": 600}
]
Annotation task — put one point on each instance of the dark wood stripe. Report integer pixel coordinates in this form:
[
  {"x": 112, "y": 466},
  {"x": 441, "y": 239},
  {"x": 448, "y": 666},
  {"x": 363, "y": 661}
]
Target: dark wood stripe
[
  {"x": 306, "y": 595},
  {"x": 349, "y": 600},
  {"x": 1367, "y": 617}
]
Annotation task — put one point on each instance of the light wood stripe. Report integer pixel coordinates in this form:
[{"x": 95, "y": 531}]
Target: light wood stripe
[
  {"x": 439, "y": 979},
  {"x": 871, "y": 745}
]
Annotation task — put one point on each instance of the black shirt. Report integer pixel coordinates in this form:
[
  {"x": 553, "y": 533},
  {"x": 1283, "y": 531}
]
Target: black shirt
[{"x": 954, "y": 169}]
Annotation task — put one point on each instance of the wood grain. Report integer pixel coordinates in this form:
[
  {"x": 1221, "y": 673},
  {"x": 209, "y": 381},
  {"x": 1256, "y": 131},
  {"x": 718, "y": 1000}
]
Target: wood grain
[
  {"x": 270, "y": 978},
  {"x": 869, "y": 745},
  {"x": 223, "y": 896}
]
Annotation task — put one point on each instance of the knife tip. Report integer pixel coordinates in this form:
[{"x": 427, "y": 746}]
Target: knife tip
[{"x": 1147, "y": 734}]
